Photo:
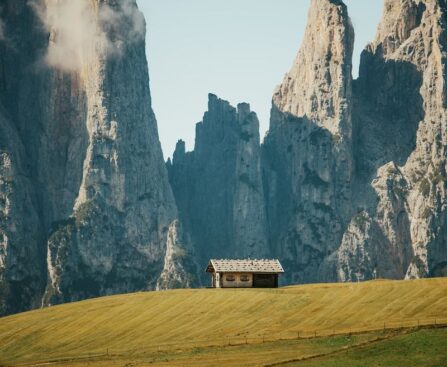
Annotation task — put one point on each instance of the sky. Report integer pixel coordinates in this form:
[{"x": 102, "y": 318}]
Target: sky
[{"x": 236, "y": 49}]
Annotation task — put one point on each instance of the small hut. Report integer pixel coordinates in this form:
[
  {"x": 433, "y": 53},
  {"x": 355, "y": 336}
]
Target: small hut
[{"x": 248, "y": 273}]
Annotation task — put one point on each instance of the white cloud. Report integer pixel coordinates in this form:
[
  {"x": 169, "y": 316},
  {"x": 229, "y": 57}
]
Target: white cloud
[
  {"x": 78, "y": 28},
  {"x": 126, "y": 20}
]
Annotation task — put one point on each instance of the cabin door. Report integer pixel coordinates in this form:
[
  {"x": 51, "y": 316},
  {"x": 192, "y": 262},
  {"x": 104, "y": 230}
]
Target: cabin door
[{"x": 265, "y": 280}]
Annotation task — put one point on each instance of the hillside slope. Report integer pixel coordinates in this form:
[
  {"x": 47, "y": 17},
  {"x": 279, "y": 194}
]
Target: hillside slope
[{"x": 140, "y": 323}]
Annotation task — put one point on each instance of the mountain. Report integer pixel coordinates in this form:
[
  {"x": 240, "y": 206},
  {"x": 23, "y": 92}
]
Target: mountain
[
  {"x": 218, "y": 186},
  {"x": 400, "y": 148},
  {"x": 86, "y": 205},
  {"x": 307, "y": 154},
  {"x": 349, "y": 184},
  {"x": 353, "y": 172}
]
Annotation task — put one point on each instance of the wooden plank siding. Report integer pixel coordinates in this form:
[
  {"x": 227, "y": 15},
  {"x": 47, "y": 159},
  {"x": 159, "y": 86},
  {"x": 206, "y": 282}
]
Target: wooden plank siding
[{"x": 237, "y": 280}]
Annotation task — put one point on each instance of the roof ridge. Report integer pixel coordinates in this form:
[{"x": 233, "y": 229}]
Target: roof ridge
[{"x": 247, "y": 265}]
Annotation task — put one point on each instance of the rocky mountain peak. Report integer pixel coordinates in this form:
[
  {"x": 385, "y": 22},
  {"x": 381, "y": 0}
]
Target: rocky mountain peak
[
  {"x": 84, "y": 163},
  {"x": 243, "y": 110},
  {"x": 318, "y": 86},
  {"x": 399, "y": 19},
  {"x": 180, "y": 150},
  {"x": 399, "y": 125},
  {"x": 307, "y": 152},
  {"x": 350, "y": 183},
  {"x": 218, "y": 186}
]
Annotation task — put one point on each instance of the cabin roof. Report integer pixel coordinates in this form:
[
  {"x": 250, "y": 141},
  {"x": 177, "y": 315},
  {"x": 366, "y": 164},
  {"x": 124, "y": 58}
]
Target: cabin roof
[{"x": 245, "y": 266}]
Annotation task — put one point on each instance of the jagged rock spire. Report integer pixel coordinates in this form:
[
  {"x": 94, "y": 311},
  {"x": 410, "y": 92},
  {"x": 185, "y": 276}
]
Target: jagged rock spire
[
  {"x": 218, "y": 186},
  {"x": 399, "y": 19},
  {"x": 307, "y": 152},
  {"x": 87, "y": 163},
  {"x": 319, "y": 85},
  {"x": 399, "y": 130}
]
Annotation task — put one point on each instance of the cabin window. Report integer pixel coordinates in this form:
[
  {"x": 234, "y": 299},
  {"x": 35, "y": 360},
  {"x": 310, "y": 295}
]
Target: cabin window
[
  {"x": 245, "y": 278},
  {"x": 230, "y": 278}
]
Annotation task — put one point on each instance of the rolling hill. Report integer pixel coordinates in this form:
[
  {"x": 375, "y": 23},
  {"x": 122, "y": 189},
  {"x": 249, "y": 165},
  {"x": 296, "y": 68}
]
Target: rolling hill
[{"x": 240, "y": 327}]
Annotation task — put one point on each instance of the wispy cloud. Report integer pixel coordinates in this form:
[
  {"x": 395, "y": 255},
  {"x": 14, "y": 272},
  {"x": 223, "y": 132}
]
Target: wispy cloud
[
  {"x": 125, "y": 20},
  {"x": 78, "y": 28}
]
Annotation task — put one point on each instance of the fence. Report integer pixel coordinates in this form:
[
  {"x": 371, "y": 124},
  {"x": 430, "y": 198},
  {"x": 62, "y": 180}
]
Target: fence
[
  {"x": 247, "y": 339},
  {"x": 290, "y": 335}
]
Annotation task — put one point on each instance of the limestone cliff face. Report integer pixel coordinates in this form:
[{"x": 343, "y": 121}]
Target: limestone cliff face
[
  {"x": 355, "y": 173},
  {"x": 350, "y": 183},
  {"x": 22, "y": 236},
  {"x": 22, "y": 274},
  {"x": 84, "y": 159},
  {"x": 400, "y": 134},
  {"x": 307, "y": 159},
  {"x": 218, "y": 187},
  {"x": 116, "y": 240}
]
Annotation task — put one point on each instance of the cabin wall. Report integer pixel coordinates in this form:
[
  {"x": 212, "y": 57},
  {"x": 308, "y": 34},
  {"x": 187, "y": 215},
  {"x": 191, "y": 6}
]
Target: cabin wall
[
  {"x": 241, "y": 280},
  {"x": 244, "y": 280}
]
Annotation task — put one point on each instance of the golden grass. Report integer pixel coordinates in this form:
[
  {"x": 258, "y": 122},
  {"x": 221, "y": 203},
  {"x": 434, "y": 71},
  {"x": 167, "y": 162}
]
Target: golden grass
[
  {"x": 184, "y": 319},
  {"x": 249, "y": 355}
]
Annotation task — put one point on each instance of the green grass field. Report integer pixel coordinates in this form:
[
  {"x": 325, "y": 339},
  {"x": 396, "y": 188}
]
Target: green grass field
[
  {"x": 427, "y": 348},
  {"x": 251, "y": 327}
]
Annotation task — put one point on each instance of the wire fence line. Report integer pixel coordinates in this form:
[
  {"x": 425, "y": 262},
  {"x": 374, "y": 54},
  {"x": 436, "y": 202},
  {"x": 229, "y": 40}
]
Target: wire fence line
[
  {"x": 237, "y": 340},
  {"x": 241, "y": 340}
]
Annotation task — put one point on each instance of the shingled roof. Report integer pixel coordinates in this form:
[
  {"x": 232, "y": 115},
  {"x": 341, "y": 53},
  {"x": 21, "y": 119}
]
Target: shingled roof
[{"x": 244, "y": 266}]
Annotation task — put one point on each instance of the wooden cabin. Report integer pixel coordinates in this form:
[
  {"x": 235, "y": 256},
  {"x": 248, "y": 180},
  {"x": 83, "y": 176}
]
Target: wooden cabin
[{"x": 244, "y": 273}]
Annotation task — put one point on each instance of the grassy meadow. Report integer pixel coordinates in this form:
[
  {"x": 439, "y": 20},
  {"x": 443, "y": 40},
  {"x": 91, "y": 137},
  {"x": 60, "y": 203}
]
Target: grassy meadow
[
  {"x": 427, "y": 348},
  {"x": 231, "y": 327}
]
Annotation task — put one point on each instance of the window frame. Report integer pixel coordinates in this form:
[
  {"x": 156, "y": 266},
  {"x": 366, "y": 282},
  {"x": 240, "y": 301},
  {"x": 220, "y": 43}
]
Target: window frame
[
  {"x": 244, "y": 278},
  {"x": 230, "y": 278}
]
